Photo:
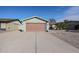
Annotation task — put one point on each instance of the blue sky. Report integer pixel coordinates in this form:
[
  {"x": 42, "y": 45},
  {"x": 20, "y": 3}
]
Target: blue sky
[{"x": 22, "y": 12}]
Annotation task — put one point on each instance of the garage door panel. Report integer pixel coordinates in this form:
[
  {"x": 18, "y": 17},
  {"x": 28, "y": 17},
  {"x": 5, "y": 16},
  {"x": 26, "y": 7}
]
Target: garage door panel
[{"x": 35, "y": 27}]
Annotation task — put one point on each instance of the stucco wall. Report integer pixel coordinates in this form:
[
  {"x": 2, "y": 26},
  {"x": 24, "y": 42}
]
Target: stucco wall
[
  {"x": 17, "y": 22},
  {"x": 3, "y": 25},
  {"x": 23, "y": 26},
  {"x": 11, "y": 26},
  {"x": 47, "y": 27}
]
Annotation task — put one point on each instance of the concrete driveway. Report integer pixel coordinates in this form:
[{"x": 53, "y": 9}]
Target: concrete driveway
[{"x": 33, "y": 42}]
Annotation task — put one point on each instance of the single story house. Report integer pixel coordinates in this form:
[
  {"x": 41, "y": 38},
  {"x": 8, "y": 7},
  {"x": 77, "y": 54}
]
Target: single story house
[
  {"x": 35, "y": 24},
  {"x": 73, "y": 25},
  {"x": 8, "y": 24},
  {"x": 68, "y": 25}
]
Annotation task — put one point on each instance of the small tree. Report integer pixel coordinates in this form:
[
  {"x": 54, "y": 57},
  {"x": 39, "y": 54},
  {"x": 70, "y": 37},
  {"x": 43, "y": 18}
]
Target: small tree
[
  {"x": 62, "y": 25},
  {"x": 66, "y": 25},
  {"x": 51, "y": 22},
  {"x": 59, "y": 26}
]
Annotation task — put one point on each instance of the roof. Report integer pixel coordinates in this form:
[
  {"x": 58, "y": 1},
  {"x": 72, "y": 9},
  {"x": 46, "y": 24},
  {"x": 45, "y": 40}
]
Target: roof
[
  {"x": 69, "y": 22},
  {"x": 9, "y": 19},
  {"x": 37, "y": 18}
]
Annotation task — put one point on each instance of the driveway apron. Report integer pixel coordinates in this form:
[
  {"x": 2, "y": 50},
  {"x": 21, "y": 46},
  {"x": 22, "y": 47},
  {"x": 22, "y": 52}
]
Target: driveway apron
[{"x": 17, "y": 42}]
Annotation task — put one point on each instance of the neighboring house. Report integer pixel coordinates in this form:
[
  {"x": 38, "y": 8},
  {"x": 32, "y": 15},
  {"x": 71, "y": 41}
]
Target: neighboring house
[
  {"x": 35, "y": 24},
  {"x": 73, "y": 25},
  {"x": 68, "y": 25},
  {"x": 8, "y": 24}
]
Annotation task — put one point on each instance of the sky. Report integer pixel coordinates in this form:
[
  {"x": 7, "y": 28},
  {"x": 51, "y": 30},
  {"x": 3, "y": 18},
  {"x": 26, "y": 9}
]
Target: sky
[{"x": 59, "y": 13}]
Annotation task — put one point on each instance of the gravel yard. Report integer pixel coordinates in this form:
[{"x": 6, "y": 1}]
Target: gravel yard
[{"x": 69, "y": 37}]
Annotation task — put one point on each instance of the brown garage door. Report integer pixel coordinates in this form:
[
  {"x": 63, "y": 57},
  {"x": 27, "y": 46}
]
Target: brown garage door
[{"x": 35, "y": 27}]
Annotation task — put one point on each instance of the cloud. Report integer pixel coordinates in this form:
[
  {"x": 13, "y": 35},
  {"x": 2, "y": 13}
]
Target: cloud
[
  {"x": 72, "y": 11},
  {"x": 72, "y": 14},
  {"x": 70, "y": 18}
]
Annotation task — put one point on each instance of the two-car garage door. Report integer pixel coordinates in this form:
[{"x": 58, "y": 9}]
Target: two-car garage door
[{"x": 35, "y": 26}]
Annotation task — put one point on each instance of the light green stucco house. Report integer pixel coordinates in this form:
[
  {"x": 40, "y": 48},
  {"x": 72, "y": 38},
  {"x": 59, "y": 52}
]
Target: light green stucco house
[{"x": 8, "y": 24}]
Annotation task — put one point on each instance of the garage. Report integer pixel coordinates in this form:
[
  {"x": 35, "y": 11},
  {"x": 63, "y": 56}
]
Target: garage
[{"x": 36, "y": 26}]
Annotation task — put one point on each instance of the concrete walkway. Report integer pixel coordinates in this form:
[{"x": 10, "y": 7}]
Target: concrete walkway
[{"x": 33, "y": 42}]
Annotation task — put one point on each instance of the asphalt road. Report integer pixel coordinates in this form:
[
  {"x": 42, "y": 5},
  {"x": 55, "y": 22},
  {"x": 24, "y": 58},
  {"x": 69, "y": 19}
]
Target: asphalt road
[{"x": 33, "y": 42}]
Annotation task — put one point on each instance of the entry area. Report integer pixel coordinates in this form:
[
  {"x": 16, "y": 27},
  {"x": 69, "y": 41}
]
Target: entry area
[{"x": 33, "y": 27}]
